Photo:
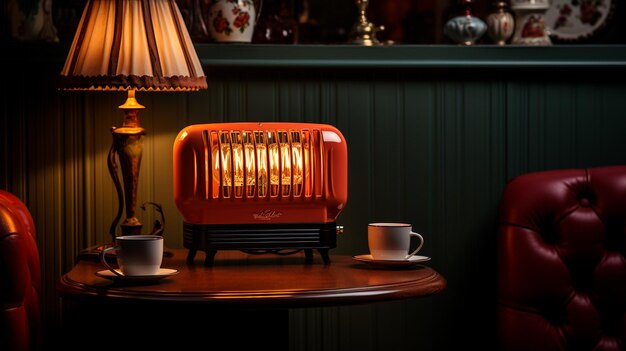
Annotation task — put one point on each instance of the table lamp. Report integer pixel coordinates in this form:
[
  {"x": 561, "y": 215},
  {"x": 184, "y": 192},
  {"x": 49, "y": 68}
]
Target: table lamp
[{"x": 131, "y": 45}]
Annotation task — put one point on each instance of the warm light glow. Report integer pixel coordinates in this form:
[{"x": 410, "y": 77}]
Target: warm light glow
[
  {"x": 131, "y": 44},
  {"x": 261, "y": 162},
  {"x": 308, "y": 165},
  {"x": 131, "y": 102},
  {"x": 274, "y": 158},
  {"x": 285, "y": 162},
  {"x": 205, "y": 140},
  {"x": 92, "y": 55},
  {"x": 238, "y": 162},
  {"x": 296, "y": 161},
  {"x": 270, "y": 174},
  {"x": 170, "y": 42},
  {"x": 225, "y": 153},
  {"x": 257, "y": 163},
  {"x": 248, "y": 153},
  {"x": 134, "y": 43},
  {"x": 216, "y": 174}
]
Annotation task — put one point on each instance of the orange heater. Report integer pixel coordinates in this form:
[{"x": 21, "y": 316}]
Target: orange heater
[{"x": 267, "y": 187}]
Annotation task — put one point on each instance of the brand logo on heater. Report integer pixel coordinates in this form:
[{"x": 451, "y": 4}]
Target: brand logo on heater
[{"x": 266, "y": 215}]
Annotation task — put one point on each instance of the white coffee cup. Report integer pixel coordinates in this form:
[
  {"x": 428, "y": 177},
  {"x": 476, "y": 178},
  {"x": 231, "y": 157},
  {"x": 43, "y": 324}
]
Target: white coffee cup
[
  {"x": 136, "y": 254},
  {"x": 392, "y": 241}
]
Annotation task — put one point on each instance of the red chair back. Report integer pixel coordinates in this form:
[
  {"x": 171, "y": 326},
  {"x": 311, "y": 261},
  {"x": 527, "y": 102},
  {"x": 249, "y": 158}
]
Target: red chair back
[
  {"x": 20, "y": 277},
  {"x": 561, "y": 266}
]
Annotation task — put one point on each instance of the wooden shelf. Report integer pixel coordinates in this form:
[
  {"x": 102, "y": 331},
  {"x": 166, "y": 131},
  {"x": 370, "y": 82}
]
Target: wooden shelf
[{"x": 351, "y": 56}]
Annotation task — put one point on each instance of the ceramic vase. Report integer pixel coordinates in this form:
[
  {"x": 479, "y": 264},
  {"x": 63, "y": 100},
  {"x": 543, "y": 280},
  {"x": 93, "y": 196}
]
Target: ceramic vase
[
  {"x": 500, "y": 24},
  {"x": 530, "y": 28},
  {"x": 465, "y": 29},
  {"x": 232, "y": 20}
]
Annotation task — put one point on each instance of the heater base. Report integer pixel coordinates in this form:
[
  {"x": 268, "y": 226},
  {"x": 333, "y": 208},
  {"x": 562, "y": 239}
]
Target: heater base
[{"x": 271, "y": 238}]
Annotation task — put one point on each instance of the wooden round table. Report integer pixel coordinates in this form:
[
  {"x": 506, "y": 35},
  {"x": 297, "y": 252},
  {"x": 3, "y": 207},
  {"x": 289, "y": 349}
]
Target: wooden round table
[{"x": 240, "y": 289}]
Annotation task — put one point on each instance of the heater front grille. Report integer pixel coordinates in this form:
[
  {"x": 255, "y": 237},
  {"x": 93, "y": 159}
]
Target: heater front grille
[{"x": 271, "y": 163}]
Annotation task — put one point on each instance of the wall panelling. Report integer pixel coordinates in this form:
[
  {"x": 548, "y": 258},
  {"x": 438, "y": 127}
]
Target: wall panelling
[{"x": 432, "y": 145}]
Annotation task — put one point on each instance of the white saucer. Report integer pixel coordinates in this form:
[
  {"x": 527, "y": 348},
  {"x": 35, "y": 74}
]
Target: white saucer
[
  {"x": 162, "y": 273},
  {"x": 412, "y": 261}
]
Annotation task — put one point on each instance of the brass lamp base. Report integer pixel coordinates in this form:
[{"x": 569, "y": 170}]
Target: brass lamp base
[{"x": 128, "y": 147}]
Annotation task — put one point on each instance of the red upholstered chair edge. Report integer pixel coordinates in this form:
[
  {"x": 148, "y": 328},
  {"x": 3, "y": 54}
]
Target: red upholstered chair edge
[
  {"x": 561, "y": 247},
  {"x": 20, "y": 277}
]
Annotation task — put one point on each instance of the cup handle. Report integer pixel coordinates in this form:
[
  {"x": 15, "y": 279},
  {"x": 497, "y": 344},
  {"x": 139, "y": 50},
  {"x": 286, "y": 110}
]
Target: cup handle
[
  {"x": 419, "y": 247},
  {"x": 104, "y": 261}
]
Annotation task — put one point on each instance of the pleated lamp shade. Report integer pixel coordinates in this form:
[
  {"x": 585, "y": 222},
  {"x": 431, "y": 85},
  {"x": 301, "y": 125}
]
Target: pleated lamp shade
[{"x": 132, "y": 45}]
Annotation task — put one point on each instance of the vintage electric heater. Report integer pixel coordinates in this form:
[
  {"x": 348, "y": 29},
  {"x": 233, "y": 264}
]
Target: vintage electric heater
[{"x": 266, "y": 187}]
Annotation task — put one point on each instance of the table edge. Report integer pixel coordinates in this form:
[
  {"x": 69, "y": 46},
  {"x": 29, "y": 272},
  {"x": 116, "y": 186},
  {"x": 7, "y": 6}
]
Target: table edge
[{"x": 428, "y": 285}]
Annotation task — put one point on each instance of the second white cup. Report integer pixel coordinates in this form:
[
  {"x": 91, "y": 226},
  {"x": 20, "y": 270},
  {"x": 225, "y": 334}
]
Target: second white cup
[
  {"x": 392, "y": 241},
  {"x": 137, "y": 255}
]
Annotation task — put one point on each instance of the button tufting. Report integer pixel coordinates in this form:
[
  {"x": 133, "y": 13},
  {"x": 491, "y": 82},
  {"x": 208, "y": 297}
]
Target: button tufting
[{"x": 561, "y": 270}]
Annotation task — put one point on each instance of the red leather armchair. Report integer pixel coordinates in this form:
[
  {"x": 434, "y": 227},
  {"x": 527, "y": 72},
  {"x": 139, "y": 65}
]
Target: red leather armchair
[
  {"x": 560, "y": 261},
  {"x": 20, "y": 277}
]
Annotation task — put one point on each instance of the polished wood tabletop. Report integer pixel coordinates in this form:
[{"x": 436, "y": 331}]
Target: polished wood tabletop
[{"x": 239, "y": 279}]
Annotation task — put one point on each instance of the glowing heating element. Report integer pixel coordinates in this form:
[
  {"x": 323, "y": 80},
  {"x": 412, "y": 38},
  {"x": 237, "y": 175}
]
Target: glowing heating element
[
  {"x": 263, "y": 164},
  {"x": 260, "y": 172}
]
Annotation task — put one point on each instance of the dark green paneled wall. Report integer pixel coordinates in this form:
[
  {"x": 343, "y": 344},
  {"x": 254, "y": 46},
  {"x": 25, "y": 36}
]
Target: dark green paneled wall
[{"x": 432, "y": 146}]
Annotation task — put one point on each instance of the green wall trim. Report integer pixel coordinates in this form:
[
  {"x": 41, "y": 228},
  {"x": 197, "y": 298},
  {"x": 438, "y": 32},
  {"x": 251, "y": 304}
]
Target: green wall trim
[
  {"x": 353, "y": 56},
  {"x": 412, "y": 56}
]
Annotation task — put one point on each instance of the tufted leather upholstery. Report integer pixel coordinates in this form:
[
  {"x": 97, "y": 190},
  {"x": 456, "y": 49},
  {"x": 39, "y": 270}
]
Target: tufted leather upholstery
[
  {"x": 561, "y": 267},
  {"x": 20, "y": 277}
]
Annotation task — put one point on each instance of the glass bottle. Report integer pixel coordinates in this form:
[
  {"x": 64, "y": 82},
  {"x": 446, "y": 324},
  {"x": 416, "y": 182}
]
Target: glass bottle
[{"x": 277, "y": 23}]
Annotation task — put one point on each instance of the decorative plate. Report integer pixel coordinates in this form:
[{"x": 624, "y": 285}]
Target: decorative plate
[
  {"x": 574, "y": 20},
  {"x": 413, "y": 261}
]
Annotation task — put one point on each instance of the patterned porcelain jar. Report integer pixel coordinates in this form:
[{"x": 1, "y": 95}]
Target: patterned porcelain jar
[
  {"x": 465, "y": 29},
  {"x": 500, "y": 24},
  {"x": 530, "y": 28},
  {"x": 232, "y": 20}
]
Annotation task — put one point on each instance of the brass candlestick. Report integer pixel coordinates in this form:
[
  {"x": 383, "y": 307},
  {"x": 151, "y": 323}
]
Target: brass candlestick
[{"x": 364, "y": 31}]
